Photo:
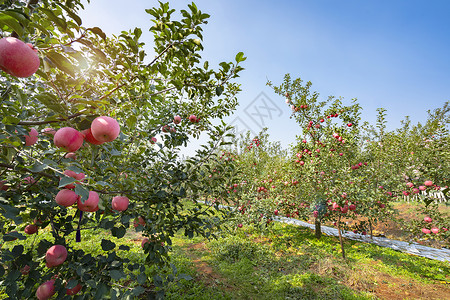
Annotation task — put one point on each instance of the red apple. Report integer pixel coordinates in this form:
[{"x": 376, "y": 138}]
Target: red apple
[
  {"x": 46, "y": 290},
  {"x": 55, "y": 256},
  {"x": 428, "y": 183},
  {"x": 88, "y": 137},
  {"x": 48, "y": 131},
  {"x": 17, "y": 58},
  {"x": 91, "y": 204},
  {"x": 68, "y": 138},
  {"x": 177, "y": 119},
  {"x": 31, "y": 229},
  {"x": 139, "y": 221},
  {"x": 66, "y": 198},
  {"x": 74, "y": 290},
  {"x": 144, "y": 241},
  {"x": 105, "y": 129},
  {"x": 25, "y": 270},
  {"x": 3, "y": 185},
  {"x": 71, "y": 155},
  {"x": 192, "y": 118},
  {"x": 349, "y": 124},
  {"x": 32, "y": 137},
  {"x": 240, "y": 225},
  {"x": 435, "y": 230},
  {"x": 426, "y": 231},
  {"x": 352, "y": 207},
  {"x": 422, "y": 188},
  {"x": 428, "y": 219},
  {"x": 153, "y": 140},
  {"x": 410, "y": 184},
  {"x": 120, "y": 203}
]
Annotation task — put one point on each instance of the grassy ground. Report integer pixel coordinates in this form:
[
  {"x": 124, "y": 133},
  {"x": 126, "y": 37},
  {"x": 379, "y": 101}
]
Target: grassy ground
[{"x": 289, "y": 263}]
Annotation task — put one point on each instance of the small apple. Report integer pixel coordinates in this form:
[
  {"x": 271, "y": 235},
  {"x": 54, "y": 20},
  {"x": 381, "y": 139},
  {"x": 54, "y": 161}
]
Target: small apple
[
  {"x": 74, "y": 290},
  {"x": 31, "y": 229},
  {"x": 435, "y": 230},
  {"x": 352, "y": 207},
  {"x": 88, "y": 137},
  {"x": 428, "y": 219},
  {"x": 120, "y": 203},
  {"x": 68, "y": 138},
  {"x": 144, "y": 241},
  {"x": 138, "y": 221},
  {"x": 46, "y": 290},
  {"x": 428, "y": 183},
  {"x": 48, "y": 131},
  {"x": 32, "y": 137},
  {"x": 426, "y": 231},
  {"x": 192, "y": 118},
  {"x": 240, "y": 225},
  {"x": 3, "y": 185},
  {"x": 66, "y": 198},
  {"x": 422, "y": 188},
  {"x": 105, "y": 129},
  {"x": 153, "y": 140},
  {"x": 410, "y": 184},
  {"x": 55, "y": 256},
  {"x": 17, "y": 58},
  {"x": 177, "y": 119},
  {"x": 25, "y": 270},
  {"x": 91, "y": 204},
  {"x": 71, "y": 155}
]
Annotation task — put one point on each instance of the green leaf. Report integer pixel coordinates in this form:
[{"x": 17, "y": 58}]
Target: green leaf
[
  {"x": 10, "y": 120},
  {"x": 11, "y": 22},
  {"x": 102, "y": 290},
  {"x": 118, "y": 232},
  {"x": 38, "y": 167},
  {"x": 61, "y": 62},
  {"x": 219, "y": 90},
  {"x": 138, "y": 290},
  {"x": 65, "y": 181},
  {"x": 98, "y": 31},
  {"x": 131, "y": 121},
  {"x": 116, "y": 274},
  {"x": 240, "y": 57},
  {"x": 107, "y": 245},
  {"x": 74, "y": 16},
  {"x": 52, "y": 102},
  {"x": 60, "y": 22},
  {"x": 82, "y": 192}
]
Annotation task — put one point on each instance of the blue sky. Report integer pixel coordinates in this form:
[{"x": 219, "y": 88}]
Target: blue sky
[{"x": 393, "y": 54}]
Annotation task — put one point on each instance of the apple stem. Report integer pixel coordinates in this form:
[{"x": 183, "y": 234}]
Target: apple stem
[{"x": 78, "y": 234}]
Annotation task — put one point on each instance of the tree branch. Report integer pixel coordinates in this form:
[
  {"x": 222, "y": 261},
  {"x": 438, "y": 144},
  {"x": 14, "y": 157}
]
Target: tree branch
[{"x": 28, "y": 123}]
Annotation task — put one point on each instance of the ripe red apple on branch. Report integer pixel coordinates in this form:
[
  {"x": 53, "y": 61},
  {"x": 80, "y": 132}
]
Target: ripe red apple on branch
[
  {"x": 55, "y": 256},
  {"x": 91, "y": 204},
  {"x": 66, "y": 198},
  {"x": 68, "y": 138},
  {"x": 17, "y": 58},
  {"x": 120, "y": 203},
  {"x": 46, "y": 290},
  {"x": 31, "y": 138},
  {"x": 105, "y": 129}
]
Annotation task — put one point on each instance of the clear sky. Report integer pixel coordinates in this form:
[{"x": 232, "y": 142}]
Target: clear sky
[{"x": 387, "y": 53}]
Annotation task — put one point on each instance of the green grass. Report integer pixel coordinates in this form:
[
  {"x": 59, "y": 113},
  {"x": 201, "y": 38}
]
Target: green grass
[{"x": 289, "y": 263}]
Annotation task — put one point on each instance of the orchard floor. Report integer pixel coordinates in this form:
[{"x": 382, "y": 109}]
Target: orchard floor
[{"x": 287, "y": 262}]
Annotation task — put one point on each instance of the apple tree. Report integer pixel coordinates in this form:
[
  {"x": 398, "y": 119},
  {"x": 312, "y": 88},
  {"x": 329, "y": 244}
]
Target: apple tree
[{"x": 90, "y": 137}]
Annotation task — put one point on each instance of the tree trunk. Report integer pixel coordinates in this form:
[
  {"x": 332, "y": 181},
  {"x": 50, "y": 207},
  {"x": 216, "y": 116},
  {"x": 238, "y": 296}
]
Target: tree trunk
[
  {"x": 318, "y": 229},
  {"x": 340, "y": 237}
]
